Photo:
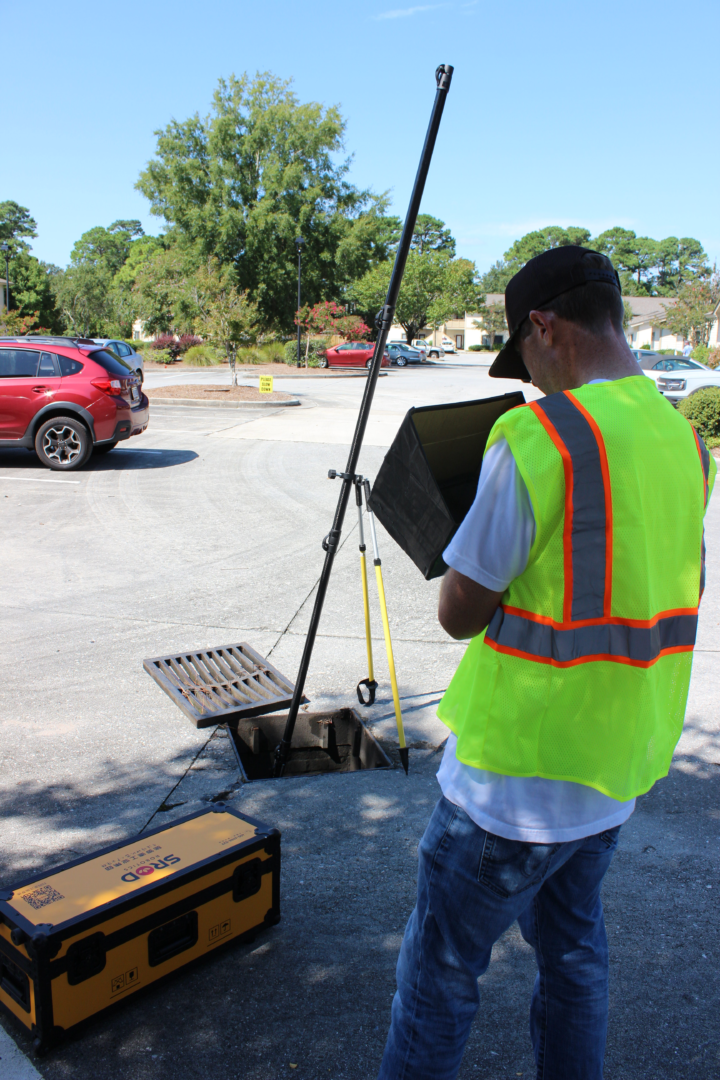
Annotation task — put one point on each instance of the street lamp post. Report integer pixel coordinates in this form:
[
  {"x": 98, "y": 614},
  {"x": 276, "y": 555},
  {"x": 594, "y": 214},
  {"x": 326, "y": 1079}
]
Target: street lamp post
[
  {"x": 6, "y": 250},
  {"x": 299, "y": 241}
]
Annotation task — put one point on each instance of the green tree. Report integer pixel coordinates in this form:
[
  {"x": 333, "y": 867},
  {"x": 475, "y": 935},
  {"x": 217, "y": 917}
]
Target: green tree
[
  {"x": 152, "y": 285},
  {"x": 82, "y": 294},
  {"x": 32, "y": 285},
  {"x": 241, "y": 183},
  {"x": 87, "y": 292},
  {"x": 492, "y": 321},
  {"x": 431, "y": 234},
  {"x": 31, "y": 281},
  {"x": 16, "y": 225},
  {"x": 526, "y": 248},
  {"x": 678, "y": 262},
  {"x": 434, "y": 288},
  {"x": 692, "y": 315},
  {"x": 106, "y": 249},
  {"x": 227, "y": 317}
]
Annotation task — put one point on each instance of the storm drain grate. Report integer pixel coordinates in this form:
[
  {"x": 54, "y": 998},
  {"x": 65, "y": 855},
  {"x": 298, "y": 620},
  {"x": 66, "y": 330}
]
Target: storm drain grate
[{"x": 213, "y": 686}]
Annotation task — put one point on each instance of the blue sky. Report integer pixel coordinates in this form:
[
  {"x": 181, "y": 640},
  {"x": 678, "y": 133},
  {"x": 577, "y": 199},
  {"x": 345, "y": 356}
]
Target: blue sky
[{"x": 561, "y": 112}]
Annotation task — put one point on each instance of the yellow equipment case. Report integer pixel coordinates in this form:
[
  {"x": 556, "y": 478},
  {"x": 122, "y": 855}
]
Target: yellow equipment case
[{"x": 83, "y": 937}]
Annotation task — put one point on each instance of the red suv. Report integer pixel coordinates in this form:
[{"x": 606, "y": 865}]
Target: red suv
[{"x": 65, "y": 397}]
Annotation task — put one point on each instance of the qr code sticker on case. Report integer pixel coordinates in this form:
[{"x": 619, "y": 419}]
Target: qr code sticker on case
[{"x": 42, "y": 896}]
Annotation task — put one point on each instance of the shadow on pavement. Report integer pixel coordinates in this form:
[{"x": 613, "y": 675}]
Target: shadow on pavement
[
  {"x": 316, "y": 990},
  {"x": 122, "y": 458}
]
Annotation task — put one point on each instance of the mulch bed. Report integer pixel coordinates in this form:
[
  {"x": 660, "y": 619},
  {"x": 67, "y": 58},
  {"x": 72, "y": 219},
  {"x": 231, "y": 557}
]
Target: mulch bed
[{"x": 214, "y": 393}]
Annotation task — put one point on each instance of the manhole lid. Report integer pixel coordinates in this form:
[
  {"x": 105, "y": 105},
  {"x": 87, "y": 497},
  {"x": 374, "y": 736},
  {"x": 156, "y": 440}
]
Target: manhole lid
[{"x": 213, "y": 686}]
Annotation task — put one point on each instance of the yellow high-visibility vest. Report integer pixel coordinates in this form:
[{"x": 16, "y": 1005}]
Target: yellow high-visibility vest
[{"x": 583, "y": 672}]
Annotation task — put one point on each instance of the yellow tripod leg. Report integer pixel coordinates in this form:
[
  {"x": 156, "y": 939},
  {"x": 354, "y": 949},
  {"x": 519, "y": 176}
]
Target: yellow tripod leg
[
  {"x": 391, "y": 665},
  {"x": 366, "y": 603}
]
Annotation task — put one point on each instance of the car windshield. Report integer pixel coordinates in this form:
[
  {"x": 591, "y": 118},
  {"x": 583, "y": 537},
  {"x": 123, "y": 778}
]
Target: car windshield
[
  {"x": 675, "y": 363},
  {"x": 112, "y": 364}
]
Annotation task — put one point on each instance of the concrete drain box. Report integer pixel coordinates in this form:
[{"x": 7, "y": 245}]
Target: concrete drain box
[
  {"x": 323, "y": 742},
  {"x": 78, "y": 940}
]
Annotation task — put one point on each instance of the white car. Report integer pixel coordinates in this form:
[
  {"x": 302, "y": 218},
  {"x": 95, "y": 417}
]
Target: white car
[
  {"x": 123, "y": 350},
  {"x": 677, "y": 377},
  {"x": 448, "y": 345},
  {"x": 433, "y": 351}
]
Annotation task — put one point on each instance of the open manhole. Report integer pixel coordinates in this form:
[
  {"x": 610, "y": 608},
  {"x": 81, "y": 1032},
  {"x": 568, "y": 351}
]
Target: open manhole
[{"x": 323, "y": 742}]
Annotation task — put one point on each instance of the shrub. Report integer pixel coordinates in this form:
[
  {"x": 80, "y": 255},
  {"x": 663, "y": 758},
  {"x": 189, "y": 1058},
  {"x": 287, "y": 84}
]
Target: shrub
[
  {"x": 270, "y": 353},
  {"x": 202, "y": 356},
  {"x": 188, "y": 341},
  {"x": 273, "y": 351},
  {"x": 166, "y": 343},
  {"x": 702, "y": 409},
  {"x": 700, "y": 353},
  {"x": 162, "y": 356},
  {"x": 318, "y": 347},
  {"x": 713, "y": 359}
]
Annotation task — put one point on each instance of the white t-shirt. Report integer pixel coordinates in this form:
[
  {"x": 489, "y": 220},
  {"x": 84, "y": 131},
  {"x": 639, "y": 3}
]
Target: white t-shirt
[{"x": 492, "y": 547}]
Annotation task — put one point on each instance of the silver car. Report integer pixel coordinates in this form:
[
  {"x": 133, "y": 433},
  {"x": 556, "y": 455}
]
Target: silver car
[{"x": 123, "y": 350}]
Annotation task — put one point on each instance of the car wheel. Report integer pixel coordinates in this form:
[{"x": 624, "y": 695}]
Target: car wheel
[
  {"x": 368, "y": 363},
  {"x": 63, "y": 443},
  {"x": 401, "y": 361},
  {"x": 323, "y": 361},
  {"x": 105, "y": 448}
]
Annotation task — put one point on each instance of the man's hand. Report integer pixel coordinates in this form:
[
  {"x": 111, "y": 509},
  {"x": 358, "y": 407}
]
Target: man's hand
[{"x": 465, "y": 608}]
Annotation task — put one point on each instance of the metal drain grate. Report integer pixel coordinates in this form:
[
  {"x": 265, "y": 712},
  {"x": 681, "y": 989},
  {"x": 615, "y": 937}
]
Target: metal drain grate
[{"x": 216, "y": 685}]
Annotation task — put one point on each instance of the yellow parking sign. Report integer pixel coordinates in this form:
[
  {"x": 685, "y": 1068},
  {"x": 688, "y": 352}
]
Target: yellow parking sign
[{"x": 266, "y": 384}]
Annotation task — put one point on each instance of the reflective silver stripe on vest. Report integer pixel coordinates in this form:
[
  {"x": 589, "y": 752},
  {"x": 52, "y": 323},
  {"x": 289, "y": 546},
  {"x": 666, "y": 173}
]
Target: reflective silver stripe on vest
[
  {"x": 638, "y": 644},
  {"x": 588, "y": 502}
]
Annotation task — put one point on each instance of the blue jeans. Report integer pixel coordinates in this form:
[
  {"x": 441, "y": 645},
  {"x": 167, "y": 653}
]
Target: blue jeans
[{"x": 472, "y": 886}]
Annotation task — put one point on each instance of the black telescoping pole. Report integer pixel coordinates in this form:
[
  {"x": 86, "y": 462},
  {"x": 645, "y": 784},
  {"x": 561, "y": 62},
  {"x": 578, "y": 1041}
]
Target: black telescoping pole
[{"x": 443, "y": 76}]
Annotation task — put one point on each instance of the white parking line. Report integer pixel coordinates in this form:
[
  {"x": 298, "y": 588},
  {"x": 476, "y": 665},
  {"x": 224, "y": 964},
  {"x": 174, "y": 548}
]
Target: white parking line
[{"x": 38, "y": 480}]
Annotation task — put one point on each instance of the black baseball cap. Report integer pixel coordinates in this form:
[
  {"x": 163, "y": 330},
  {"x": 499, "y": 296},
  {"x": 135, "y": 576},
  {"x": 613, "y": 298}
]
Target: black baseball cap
[{"x": 542, "y": 279}]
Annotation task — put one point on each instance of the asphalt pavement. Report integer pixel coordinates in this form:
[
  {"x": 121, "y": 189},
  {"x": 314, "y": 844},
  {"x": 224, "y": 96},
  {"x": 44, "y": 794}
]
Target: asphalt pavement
[{"x": 206, "y": 531}]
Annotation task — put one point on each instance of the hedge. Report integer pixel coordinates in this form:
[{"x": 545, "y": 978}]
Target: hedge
[{"x": 702, "y": 409}]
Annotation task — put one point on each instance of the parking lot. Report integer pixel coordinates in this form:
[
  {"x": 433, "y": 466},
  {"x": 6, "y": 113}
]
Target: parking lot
[{"x": 206, "y": 531}]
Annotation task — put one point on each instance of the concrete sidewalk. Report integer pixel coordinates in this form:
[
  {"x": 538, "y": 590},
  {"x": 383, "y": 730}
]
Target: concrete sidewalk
[{"x": 203, "y": 540}]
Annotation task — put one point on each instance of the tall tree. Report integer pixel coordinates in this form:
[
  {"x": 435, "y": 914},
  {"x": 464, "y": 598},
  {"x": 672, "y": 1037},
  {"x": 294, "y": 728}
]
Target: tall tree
[
  {"x": 16, "y": 226},
  {"x": 31, "y": 281},
  {"x": 431, "y": 234},
  {"x": 242, "y": 182},
  {"x": 106, "y": 249},
  {"x": 434, "y": 288},
  {"x": 526, "y": 248}
]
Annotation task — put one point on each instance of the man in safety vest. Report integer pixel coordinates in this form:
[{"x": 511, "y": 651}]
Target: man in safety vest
[{"x": 577, "y": 575}]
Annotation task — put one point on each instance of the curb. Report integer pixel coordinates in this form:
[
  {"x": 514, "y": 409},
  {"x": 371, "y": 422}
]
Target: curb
[{"x": 199, "y": 403}]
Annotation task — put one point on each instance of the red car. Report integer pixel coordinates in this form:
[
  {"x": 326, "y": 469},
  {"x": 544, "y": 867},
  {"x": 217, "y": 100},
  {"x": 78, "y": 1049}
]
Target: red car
[
  {"x": 352, "y": 354},
  {"x": 65, "y": 397}
]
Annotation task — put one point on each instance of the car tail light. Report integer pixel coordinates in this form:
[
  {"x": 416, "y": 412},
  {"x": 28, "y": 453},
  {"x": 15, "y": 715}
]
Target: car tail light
[{"x": 108, "y": 386}]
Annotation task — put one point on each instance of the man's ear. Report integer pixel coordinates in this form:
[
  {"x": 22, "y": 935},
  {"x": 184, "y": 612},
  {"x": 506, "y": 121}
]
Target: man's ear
[{"x": 545, "y": 322}]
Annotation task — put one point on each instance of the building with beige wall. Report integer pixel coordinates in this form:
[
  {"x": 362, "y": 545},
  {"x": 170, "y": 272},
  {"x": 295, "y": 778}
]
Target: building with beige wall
[{"x": 645, "y": 330}]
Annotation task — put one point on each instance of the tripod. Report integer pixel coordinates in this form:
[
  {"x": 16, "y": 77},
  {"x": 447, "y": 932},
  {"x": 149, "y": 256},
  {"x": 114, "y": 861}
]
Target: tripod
[
  {"x": 362, "y": 486},
  {"x": 443, "y": 77}
]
